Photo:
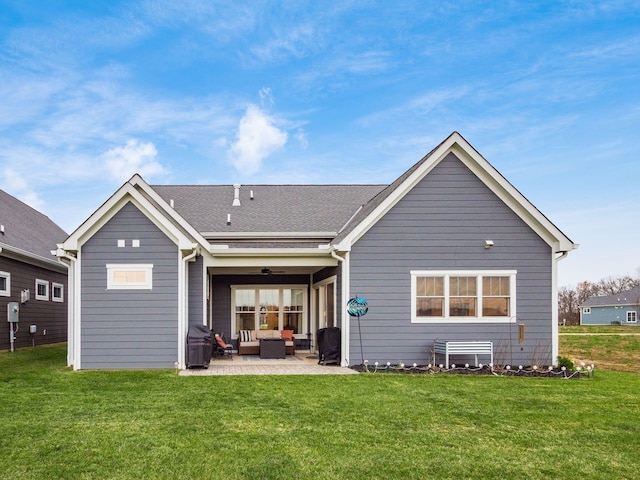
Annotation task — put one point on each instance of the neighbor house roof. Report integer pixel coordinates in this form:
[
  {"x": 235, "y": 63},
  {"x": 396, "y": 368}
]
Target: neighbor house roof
[
  {"x": 27, "y": 232},
  {"x": 628, "y": 297}
]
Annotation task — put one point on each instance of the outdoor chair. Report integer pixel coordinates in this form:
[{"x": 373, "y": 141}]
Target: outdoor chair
[{"x": 222, "y": 348}]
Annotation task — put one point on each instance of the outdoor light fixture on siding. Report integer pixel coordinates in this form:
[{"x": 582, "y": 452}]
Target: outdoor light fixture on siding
[{"x": 488, "y": 243}]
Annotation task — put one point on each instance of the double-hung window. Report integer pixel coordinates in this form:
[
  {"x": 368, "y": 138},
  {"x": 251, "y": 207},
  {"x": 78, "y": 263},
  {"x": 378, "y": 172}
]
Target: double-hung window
[{"x": 462, "y": 296}]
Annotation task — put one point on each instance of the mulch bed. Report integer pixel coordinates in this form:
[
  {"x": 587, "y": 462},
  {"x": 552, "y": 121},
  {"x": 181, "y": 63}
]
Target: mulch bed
[{"x": 500, "y": 371}]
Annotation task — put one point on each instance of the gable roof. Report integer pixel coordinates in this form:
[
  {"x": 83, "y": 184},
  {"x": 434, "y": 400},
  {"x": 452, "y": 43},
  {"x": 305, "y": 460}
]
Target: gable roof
[
  {"x": 456, "y": 144},
  {"x": 301, "y": 215},
  {"x": 27, "y": 232},
  {"x": 628, "y": 297},
  {"x": 138, "y": 192}
]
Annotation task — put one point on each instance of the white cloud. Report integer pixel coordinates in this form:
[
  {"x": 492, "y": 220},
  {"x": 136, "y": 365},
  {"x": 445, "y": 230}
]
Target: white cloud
[
  {"x": 135, "y": 157},
  {"x": 257, "y": 138},
  {"x": 14, "y": 184}
]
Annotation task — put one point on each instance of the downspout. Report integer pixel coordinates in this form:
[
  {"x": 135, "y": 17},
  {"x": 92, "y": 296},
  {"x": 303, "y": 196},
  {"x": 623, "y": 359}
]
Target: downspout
[
  {"x": 555, "y": 349},
  {"x": 345, "y": 280},
  {"x": 73, "y": 324},
  {"x": 183, "y": 292}
]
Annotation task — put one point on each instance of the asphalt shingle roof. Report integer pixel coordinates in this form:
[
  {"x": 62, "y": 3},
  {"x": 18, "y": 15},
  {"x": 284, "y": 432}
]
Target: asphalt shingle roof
[
  {"x": 27, "y": 229},
  {"x": 628, "y": 297},
  {"x": 274, "y": 208}
]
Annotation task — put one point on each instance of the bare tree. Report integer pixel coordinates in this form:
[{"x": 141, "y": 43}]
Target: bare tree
[{"x": 569, "y": 299}]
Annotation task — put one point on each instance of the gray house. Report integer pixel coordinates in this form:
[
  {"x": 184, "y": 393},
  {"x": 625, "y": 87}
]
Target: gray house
[
  {"x": 620, "y": 309},
  {"x": 449, "y": 251},
  {"x": 30, "y": 277}
]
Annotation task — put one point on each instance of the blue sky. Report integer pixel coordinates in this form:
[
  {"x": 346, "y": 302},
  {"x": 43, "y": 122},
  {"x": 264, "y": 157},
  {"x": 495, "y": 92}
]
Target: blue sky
[{"x": 328, "y": 92}]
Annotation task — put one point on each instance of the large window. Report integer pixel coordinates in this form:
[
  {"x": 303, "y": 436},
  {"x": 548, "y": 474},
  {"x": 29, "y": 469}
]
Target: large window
[
  {"x": 632, "y": 316},
  {"x": 465, "y": 296},
  {"x": 129, "y": 276},
  {"x": 5, "y": 284},
  {"x": 269, "y": 308}
]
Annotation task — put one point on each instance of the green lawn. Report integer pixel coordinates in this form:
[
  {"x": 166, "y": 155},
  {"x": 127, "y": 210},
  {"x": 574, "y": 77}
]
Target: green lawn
[
  {"x": 57, "y": 423},
  {"x": 608, "y": 347}
]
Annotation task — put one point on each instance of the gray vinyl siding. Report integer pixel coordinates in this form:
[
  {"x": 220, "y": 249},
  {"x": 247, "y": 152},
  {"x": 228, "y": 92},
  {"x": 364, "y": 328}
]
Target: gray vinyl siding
[
  {"x": 606, "y": 315},
  {"x": 49, "y": 317},
  {"x": 442, "y": 224},
  {"x": 129, "y": 328},
  {"x": 196, "y": 291}
]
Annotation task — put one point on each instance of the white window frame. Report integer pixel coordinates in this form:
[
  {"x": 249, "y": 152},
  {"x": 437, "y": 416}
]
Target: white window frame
[
  {"x": 146, "y": 268},
  {"x": 45, "y": 284},
  {"x": 586, "y": 310},
  {"x": 281, "y": 311},
  {"x": 633, "y": 315},
  {"x": 445, "y": 274},
  {"x": 6, "y": 292},
  {"x": 55, "y": 298}
]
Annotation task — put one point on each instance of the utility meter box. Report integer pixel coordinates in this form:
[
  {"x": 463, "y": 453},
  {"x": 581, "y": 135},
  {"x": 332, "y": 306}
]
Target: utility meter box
[
  {"x": 33, "y": 329},
  {"x": 13, "y": 311}
]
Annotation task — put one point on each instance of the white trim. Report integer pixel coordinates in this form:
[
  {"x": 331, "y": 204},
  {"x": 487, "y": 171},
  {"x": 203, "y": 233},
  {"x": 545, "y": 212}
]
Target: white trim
[
  {"x": 145, "y": 284},
  {"x": 6, "y": 292},
  {"x": 55, "y": 298},
  {"x": 456, "y": 144},
  {"x": 129, "y": 193},
  {"x": 634, "y": 314},
  {"x": 346, "y": 319},
  {"x": 478, "y": 274},
  {"x": 44, "y": 283}
]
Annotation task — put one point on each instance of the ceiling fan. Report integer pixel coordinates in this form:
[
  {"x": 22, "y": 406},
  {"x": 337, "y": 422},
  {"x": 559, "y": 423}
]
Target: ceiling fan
[{"x": 268, "y": 271}]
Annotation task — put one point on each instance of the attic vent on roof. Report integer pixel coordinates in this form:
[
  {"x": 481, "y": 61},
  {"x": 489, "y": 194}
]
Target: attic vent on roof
[
  {"x": 236, "y": 195},
  {"x": 171, "y": 202},
  {"x": 2, "y": 229}
]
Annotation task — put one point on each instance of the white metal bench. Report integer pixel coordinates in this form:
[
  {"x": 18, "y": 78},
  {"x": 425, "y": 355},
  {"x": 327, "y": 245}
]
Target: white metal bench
[{"x": 462, "y": 348}]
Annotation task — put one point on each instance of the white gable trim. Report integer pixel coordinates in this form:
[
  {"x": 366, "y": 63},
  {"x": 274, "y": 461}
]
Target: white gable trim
[
  {"x": 127, "y": 193},
  {"x": 457, "y": 145},
  {"x": 138, "y": 181}
]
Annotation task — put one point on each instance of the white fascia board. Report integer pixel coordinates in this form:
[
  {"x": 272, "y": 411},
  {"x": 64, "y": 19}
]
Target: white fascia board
[
  {"x": 127, "y": 193},
  {"x": 488, "y": 175},
  {"x": 381, "y": 210},
  {"x": 268, "y": 252},
  {"x": 137, "y": 180},
  {"x": 512, "y": 197},
  {"x": 272, "y": 257},
  {"x": 31, "y": 258}
]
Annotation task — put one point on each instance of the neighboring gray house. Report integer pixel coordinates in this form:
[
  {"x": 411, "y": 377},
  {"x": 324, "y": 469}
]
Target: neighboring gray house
[
  {"x": 30, "y": 275},
  {"x": 620, "y": 309},
  {"x": 450, "y": 251}
]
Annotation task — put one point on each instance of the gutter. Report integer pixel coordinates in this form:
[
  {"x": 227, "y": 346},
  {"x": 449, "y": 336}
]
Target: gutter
[
  {"x": 183, "y": 293},
  {"x": 73, "y": 324},
  {"x": 343, "y": 308}
]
